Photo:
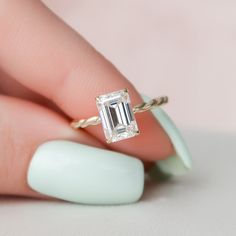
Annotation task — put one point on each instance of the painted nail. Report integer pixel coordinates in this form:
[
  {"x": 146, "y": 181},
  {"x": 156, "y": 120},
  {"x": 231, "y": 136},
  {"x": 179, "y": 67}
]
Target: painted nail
[
  {"x": 179, "y": 163},
  {"x": 83, "y": 174}
]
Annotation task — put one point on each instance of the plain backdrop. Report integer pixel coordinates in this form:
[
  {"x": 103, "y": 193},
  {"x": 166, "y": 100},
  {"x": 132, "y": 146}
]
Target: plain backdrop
[{"x": 185, "y": 49}]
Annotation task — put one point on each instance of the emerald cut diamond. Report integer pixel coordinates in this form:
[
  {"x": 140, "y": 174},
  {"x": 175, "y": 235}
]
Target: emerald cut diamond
[{"x": 117, "y": 116}]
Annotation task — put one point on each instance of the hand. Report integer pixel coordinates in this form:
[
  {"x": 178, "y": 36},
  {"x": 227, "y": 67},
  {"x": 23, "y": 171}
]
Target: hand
[{"x": 50, "y": 75}]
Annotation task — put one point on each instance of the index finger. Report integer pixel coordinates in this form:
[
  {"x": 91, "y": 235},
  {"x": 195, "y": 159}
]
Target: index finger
[{"x": 47, "y": 56}]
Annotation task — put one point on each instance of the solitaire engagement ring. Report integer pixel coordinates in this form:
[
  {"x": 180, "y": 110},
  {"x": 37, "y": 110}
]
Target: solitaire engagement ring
[{"x": 117, "y": 116}]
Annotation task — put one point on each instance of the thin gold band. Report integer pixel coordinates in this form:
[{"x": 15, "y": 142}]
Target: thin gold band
[{"x": 145, "y": 106}]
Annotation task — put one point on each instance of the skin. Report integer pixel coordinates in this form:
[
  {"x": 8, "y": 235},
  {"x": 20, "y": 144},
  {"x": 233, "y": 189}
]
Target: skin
[{"x": 48, "y": 75}]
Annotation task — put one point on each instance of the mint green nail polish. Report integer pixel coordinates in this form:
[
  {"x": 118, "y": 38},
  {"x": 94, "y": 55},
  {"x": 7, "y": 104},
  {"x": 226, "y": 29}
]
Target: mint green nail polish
[
  {"x": 83, "y": 174},
  {"x": 180, "y": 163}
]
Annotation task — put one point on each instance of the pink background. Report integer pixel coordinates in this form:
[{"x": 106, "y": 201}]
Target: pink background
[{"x": 185, "y": 49}]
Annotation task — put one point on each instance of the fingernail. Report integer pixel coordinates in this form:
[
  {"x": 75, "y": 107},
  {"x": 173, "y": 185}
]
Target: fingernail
[
  {"x": 83, "y": 174},
  {"x": 179, "y": 163}
]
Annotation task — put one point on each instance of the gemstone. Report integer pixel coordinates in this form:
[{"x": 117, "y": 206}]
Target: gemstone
[{"x": 117, "y": 116}]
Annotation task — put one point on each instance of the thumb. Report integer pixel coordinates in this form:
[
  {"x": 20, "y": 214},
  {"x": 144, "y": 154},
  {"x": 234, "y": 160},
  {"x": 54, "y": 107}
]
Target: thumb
[{"x": 32, "y": 165}]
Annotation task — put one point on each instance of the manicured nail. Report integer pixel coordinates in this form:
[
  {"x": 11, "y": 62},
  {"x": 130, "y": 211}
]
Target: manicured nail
[
  {"x": 83, "y": 174},
  {"x": 179, "y": 163}
]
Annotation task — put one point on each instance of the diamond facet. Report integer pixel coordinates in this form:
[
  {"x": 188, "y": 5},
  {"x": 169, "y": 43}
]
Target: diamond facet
[{"x": 117, "y": 117}]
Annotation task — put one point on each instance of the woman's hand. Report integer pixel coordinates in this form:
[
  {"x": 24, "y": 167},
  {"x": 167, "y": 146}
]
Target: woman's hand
[{"x": 49, "y": 76}]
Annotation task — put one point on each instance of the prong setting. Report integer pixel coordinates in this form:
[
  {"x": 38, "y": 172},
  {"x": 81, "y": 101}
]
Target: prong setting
[{"x": 117, "y": 116}]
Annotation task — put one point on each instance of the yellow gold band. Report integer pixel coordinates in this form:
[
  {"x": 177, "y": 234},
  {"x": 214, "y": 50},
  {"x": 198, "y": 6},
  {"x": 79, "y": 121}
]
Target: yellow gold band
[{"x": 145, "y": 106}]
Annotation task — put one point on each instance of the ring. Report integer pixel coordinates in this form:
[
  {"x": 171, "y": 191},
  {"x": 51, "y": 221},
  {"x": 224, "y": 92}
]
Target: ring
[{"x": 117, "y": 116}]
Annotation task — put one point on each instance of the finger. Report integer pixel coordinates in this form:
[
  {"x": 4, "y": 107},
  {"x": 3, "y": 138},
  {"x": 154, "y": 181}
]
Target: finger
[
  {"x": 23, "y": 127},
  {"x": 57, "y": 168},
  {"x": 47, "y": 56}
]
